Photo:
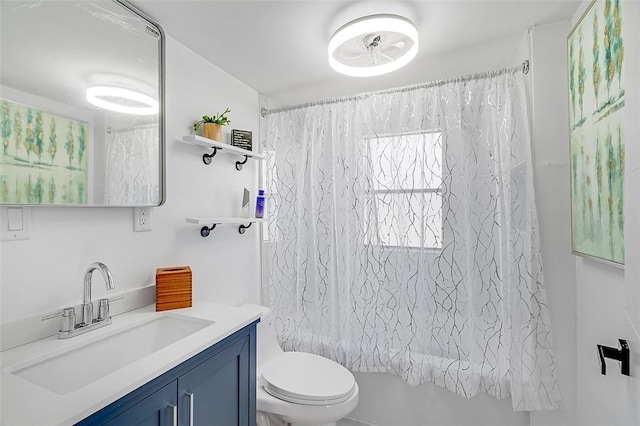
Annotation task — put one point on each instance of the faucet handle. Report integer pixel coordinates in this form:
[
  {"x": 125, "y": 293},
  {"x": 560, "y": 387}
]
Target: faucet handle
[
  {"x": 68, "y": 318},
  {"x": 103, "y": 307}
]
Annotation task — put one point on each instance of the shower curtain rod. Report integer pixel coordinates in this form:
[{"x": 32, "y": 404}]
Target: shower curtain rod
[
  {"x": 524, "y": 67},
  {"x": 144, "y": 126}
]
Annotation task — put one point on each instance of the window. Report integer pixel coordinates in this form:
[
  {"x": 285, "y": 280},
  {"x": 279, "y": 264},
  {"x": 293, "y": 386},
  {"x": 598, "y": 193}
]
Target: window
[{"x": 407, "y": 191}]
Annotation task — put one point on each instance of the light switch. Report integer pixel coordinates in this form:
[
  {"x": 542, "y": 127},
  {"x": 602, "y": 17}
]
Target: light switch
[
  {"x": 15, "y": 223},
  {"x": 14, "y": 218}
]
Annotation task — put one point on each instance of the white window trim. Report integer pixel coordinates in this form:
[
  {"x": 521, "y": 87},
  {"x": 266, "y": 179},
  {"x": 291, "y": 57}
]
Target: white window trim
[{"x": 436, "y": 190}]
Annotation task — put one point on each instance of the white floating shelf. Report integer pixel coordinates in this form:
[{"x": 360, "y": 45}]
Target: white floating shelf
[
  {"x": 224, "y": 148},
  {"x": 221, "y": 220},
  {"x": 210, "y": 223}
]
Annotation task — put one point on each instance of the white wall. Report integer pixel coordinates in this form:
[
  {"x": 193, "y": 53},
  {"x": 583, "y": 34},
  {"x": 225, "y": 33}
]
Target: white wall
[
  {"x": 587, "y": 308},
  {"x": 550, "y": 131},
  {"x": 46, "y": 272},
  {"x": 604, "y": 292},
  {"x": 632, "y": 233}
]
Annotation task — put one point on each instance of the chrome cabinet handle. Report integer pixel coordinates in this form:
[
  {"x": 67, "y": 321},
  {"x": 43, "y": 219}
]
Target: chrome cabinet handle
[
  {"x": 174, "y": 414},
  {"x": 191, "y": 397}
]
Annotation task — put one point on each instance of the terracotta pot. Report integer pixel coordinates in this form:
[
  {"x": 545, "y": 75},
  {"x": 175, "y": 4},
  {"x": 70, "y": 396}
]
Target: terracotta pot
[{"x": 212, "y": 131}]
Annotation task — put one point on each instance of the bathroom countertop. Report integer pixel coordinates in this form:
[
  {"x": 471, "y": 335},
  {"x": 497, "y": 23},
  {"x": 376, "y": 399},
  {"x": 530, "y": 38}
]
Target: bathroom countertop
[{"x": 24, "y": 403}]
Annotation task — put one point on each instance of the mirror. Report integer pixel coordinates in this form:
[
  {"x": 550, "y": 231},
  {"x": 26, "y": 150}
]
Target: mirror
[{"x": 81, "y": 104}]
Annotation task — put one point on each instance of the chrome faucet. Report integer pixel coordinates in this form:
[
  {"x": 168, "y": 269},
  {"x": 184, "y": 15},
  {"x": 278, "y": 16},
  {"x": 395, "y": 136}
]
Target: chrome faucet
[
  {"x": 69, "y": 327},
  {"x": 87, "y": 305}
]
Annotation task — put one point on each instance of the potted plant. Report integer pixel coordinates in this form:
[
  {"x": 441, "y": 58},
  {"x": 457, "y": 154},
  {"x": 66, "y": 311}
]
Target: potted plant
[{"x": 212, "y": 125}]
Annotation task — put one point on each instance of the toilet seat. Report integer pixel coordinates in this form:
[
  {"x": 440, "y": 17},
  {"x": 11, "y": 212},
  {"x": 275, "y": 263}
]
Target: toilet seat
[{"x": 304, "y": 378}]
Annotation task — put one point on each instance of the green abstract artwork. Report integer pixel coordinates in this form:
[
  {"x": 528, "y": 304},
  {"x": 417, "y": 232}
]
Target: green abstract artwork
[
  {"x": 43, "y": 157},
  {"x": 596, "y": 103}
]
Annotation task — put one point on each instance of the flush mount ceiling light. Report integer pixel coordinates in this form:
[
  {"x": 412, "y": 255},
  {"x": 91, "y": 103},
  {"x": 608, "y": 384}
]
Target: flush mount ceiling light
[
  {"x": 122, "y": 100},
  {"x": 373, "y": 45}
]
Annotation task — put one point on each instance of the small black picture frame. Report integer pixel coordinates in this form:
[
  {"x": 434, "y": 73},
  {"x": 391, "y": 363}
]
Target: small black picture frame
[{"x": 242, "y": 139}]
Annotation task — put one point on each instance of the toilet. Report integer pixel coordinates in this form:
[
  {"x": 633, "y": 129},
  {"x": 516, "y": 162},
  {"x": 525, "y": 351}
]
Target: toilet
[{"x": 298, "y": 388}]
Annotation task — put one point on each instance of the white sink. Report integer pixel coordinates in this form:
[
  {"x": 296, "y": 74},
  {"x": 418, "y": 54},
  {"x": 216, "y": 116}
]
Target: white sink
[{"x": 71, "y": 370}]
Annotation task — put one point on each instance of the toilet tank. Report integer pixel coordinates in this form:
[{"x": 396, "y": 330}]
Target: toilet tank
[{"x": 267, "y": 346}]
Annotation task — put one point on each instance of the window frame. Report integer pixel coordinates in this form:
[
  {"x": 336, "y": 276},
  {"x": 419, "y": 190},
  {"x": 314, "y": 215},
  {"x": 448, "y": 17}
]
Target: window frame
[{"x": 427, "y": 190}]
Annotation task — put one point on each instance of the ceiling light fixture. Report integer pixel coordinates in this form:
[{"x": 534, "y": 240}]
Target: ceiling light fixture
[
  {"x": 373, "y": 45},
  {"x": 122, "y": 100}
]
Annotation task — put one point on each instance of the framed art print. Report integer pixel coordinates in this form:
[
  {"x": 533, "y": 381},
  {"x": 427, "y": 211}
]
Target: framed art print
[
  {"x": 595, "y": 50},
  {"x": 43, "y": 159}
]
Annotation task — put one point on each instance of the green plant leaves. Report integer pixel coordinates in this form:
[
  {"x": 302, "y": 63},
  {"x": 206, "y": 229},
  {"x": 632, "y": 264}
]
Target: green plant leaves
[{"x": 220, "y": 119}]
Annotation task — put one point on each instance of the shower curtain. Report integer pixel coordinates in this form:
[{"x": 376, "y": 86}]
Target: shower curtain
[
  {"x": 402, "y": 237},
  {"x": 132, "y": 166}
]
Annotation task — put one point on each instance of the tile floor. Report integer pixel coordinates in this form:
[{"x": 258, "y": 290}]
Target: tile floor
[{"x": 351, "y": 422}]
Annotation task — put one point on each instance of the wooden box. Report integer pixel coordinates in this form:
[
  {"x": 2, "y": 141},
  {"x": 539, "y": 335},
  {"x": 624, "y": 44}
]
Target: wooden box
[{"x": 173, "y": 288}]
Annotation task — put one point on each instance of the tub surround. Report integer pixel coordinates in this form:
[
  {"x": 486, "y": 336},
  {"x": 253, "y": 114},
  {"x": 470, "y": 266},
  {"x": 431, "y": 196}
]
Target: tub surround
[{"x": 27, "y": 403}]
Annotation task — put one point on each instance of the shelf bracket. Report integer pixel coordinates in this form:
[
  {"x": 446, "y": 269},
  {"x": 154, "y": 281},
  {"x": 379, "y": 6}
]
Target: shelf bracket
[
  {"x": 206, "y": 158},
  {"x": 243, "y": 228},
  {"x": 206, "y": 230},
  {"x": 239, "y": 164}
]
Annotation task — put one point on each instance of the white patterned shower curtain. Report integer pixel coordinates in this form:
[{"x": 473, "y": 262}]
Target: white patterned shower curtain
[
  {"x": 403, "y": 237},
  {"x": 132, "y": 168}
]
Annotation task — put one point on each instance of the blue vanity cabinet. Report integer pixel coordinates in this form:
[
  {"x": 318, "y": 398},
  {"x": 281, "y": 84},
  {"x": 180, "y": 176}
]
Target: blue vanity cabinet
[
  {"x": 158, "y": 409},
  {"x": 215, "y": 387},
  {"x": 211, "y": 394}
]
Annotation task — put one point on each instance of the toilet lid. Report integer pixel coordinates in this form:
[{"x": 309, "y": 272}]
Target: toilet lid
[{"x": 304, "y": 378}]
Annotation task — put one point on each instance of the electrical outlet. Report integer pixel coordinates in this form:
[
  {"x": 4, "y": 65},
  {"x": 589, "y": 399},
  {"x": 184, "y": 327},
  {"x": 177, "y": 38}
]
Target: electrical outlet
[{"x": 141, "y": 219}]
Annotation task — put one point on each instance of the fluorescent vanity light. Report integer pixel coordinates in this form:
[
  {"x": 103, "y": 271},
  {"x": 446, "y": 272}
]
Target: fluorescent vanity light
[
  {"x": 373, "y": 45},
  {"x": 122, "y": 100}
]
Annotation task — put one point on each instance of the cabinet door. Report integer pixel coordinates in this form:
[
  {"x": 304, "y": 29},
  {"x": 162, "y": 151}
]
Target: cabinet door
[
  {"x": 216, "y": 392},
  {"x": 158, "y": 409}
]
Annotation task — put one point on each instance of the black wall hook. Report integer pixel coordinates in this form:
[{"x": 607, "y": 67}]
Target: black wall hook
[
  {"x": 243, "y": 228},
  {"x": 206, "y": 230},
  {"x": 206, "y": 158},
  {"x": 621, "y": 355},
  {"x": 239, "y": 164}
]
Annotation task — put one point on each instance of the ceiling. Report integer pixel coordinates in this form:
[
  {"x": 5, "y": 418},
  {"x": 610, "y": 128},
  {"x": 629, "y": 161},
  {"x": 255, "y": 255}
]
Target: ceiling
[{"x": 279, "y": 48}]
